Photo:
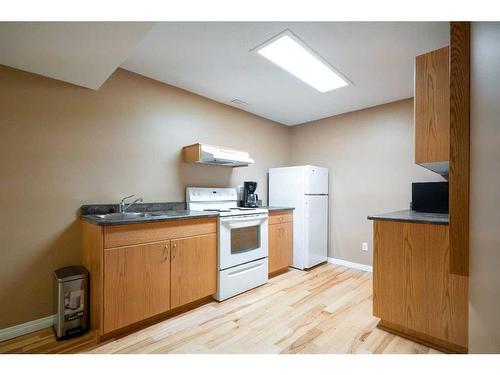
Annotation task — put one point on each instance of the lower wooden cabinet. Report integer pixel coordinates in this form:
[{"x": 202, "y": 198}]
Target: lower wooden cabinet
[
  {"x": 280, "y": 241},
  {"x": 194, "y": 269},
  {"x": 139, "y": 271},
  {"x": 414, "y": 293},
  {"x": 137, "y": 283}
]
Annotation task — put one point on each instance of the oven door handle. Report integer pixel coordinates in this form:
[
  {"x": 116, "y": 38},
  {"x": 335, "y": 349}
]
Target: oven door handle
[{"x": 243, "y": 223}]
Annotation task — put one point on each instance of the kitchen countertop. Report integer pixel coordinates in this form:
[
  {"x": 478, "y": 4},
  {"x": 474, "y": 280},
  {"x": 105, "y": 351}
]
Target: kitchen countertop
[
  {"x": 277, "y": 208},
  {"x": 413, "y": 217},
  {"x": 162, "y": 216},
  {"x": 162, "y": 211},
  {"x": 165, "y": 211}
]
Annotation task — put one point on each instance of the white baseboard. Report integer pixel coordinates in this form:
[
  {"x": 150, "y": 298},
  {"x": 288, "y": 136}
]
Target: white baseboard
[
  {"x": 24, "y": 328},
  {"x": 345, "y": 263}
]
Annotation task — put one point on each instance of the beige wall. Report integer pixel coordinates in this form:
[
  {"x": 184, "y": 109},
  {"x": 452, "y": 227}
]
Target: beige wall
[
  {"x": 63, "y": 146},
  {"x": 484, "y": 280},
  {"x": 370, "y": 157}
]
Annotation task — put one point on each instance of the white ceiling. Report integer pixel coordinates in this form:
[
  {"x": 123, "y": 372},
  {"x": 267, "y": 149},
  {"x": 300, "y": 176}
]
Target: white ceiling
[
  {"x": 214, "y": 60},
  {"x": 83, "y": 53}
]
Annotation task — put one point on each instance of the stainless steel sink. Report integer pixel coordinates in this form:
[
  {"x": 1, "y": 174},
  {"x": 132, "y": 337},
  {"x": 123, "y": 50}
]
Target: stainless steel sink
[
  {"x": 125, "y": 215},
  {"x": 137, "y": 215}
]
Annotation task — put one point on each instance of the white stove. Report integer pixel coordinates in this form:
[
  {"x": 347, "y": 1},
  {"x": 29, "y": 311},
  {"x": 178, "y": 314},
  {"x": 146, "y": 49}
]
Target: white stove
[
  {"x": 223, "y": 200},
  {"x": 242, "y": 239}
]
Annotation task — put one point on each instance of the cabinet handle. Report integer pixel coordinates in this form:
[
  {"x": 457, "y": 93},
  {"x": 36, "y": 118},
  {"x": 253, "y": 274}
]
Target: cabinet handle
[
  {"x": 165, "y": 253},
  {"x": 174, "y": 250},
  {"x": 281, "y": 219}
]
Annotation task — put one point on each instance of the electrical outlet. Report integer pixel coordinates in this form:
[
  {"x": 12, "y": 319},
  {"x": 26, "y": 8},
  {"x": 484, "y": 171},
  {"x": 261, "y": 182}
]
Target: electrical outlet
[{"x": 364, "y": 246}]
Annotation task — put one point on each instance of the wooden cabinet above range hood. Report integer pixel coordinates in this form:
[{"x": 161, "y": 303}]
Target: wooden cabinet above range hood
[{"x": 215, "y": 155}]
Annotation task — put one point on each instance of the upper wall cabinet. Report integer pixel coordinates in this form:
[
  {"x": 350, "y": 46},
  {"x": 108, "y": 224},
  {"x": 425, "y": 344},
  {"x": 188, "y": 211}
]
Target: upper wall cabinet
[{"x": 432, "y": 110}]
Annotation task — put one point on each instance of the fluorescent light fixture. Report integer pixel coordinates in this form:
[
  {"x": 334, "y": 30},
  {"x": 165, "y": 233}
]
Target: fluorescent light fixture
[{"x": 290, "y": 53}]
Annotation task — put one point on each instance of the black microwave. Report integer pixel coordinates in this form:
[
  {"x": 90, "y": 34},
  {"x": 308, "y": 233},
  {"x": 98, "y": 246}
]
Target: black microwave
[{"x": 429, "y": 197}]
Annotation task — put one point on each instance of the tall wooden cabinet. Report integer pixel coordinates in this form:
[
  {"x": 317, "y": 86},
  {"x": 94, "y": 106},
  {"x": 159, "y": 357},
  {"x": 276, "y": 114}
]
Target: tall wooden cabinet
[
  {"x": 280, "y": 241},
  {"x": 142, "y": 271},
  {"x": 432, "y": 109}
]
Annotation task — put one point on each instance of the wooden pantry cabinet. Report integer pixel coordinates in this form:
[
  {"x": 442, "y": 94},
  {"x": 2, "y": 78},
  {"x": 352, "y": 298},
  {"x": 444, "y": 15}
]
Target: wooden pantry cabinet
[
  {"x": 142, "y": 271},
  {"x": 280, "y": 241},
  {"x": 432, "y": 107}
]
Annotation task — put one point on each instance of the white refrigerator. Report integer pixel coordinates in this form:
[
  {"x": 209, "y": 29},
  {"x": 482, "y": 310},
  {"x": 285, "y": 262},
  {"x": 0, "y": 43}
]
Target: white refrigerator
[{"x": 306, "y": 189}]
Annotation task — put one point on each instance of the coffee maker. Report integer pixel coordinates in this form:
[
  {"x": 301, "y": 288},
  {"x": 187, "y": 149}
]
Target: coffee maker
[{"x": 250, "y": 199}]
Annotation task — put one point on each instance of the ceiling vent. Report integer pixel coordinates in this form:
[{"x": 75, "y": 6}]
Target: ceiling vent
[{"x": 239, "y": 103}]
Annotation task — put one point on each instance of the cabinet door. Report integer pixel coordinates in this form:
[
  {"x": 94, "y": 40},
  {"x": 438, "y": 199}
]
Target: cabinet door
[
  {"x": 194, "y": 269},
  {"x": 287, "y": 248},
  {"x": 274, "y": 247},
  {"x": 280, "y": 246},
  {"x": 432, "y": 107},
  {"x": 390, "y": 272},
  {"x": 412, "y": 285},
  {"x": 136, "y": 283}
]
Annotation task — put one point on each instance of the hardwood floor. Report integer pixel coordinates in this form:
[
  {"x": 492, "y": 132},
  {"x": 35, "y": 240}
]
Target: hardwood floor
[{"x": 325, "y": 310}]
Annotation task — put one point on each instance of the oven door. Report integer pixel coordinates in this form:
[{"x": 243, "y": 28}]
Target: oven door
[{"x": 242, "y": 239}]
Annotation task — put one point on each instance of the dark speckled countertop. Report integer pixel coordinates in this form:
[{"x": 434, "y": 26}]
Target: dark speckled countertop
[
  {"x": 153, "y": 217},
  {"x": 413, "y": 217},
  {"x": 276, "y": 208},
  {"x": 154, "y": 212},
  {"x": 166, "y": 211}
]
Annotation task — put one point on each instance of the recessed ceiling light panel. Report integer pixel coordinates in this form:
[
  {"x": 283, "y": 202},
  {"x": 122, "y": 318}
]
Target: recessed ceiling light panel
[{"x": 291, "y": 54}]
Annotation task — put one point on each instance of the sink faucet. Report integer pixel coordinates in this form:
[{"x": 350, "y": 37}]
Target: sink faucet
[{"x": 123, "y": 206}]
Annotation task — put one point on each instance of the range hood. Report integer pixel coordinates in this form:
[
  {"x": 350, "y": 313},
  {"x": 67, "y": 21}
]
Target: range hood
[
  {"x": 440, "y": 167},
  {"x": 216, "y": 155}
]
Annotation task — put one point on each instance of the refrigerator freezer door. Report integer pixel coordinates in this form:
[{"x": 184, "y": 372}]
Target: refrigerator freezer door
[
  {"x": 316, "y": 180},
  {"x": 286, "y": 186},
  {"x": 316, "y": 230}
]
